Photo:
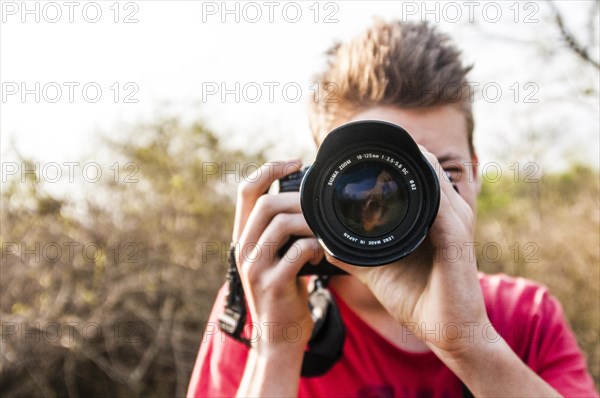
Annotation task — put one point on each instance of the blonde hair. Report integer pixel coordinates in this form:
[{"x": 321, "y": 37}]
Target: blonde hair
[{"x": 408, "y": 65}]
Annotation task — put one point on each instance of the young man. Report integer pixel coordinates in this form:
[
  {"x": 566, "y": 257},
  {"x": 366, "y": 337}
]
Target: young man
[{"x": 423, "y": 326}]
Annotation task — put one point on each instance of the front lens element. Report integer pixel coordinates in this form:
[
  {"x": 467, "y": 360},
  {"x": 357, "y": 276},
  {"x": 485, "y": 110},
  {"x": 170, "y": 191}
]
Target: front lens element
[{"x": 370, "y": 198}]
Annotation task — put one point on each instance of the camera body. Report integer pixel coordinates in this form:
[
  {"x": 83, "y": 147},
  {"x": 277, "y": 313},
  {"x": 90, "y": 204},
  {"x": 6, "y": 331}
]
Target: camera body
[{"x": 370, "y": 197}]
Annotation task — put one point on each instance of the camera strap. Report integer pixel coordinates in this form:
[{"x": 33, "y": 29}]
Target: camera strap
[
  {"x": 326, "y": 343},
  {"x": 233, "y": 318},
  {"x": 327, "y": 339}
]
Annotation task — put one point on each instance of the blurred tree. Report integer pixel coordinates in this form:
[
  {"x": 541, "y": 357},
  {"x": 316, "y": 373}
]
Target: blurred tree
[
  {"x": 125, "y": 316},
  {"x": 547, "y": 230},
  {"x": 547, "y": 225},
  {"x": 580, "y": 47},
  {"x": 112, "y": 299},
  {"x": 548, "y": 110}
]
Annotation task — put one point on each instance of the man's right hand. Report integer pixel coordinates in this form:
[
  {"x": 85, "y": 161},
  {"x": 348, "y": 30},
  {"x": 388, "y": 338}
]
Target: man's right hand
[{"x": 277, "y": 299}]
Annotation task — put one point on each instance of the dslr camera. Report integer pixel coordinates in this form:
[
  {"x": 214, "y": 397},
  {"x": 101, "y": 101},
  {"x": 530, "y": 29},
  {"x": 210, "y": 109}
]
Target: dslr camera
[{"x": 370, "y": 197}]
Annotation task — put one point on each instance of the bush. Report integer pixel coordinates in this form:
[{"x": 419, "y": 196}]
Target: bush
[
  {"x": 125, "y": 317},
  {"x": 547, "y": 231}
]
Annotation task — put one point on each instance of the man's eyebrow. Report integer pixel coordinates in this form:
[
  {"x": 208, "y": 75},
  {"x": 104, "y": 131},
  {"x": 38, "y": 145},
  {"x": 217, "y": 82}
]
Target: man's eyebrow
[{"x": 450, "y": 157}]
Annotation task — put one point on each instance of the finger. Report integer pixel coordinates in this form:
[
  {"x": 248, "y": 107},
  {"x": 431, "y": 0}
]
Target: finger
[
  {"x": 267, "y": 207},
  {"x": 449, "y": 198},
  {"x": 446, "y": 187},
  {"x": 433, "y": 160},
  {"x": 281, "y": 227},
  {"x": 256, "y": 184},
  {"x": 302, "y": 251},
  {"x": 319, "y": 255}
]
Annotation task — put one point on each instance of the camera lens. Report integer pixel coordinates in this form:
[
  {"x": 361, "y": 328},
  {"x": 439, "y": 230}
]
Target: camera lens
[{"x": 370, "y": 199}]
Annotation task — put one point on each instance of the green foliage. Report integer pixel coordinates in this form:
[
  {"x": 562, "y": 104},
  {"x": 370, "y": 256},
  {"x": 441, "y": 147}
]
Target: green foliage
[
  {"x": 124, "y": 318},
  {"x": 548, "y": 231}
]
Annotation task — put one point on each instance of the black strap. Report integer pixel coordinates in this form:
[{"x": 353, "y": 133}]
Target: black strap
[
  {"x": 233, "y": 318},
  {"x": 327, "y": 340}
]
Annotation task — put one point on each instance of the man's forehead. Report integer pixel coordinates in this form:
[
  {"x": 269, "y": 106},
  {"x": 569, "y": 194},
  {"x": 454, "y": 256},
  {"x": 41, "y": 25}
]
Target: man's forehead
[{"x": 442, "y": 130}]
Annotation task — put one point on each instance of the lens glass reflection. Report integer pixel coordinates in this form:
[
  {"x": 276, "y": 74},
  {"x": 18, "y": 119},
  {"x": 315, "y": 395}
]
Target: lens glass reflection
[{"x": 370, "y": 198}]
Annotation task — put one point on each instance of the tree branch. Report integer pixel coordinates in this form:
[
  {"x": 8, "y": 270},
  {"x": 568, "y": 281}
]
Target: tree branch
[{"x": 570, "y": 39}]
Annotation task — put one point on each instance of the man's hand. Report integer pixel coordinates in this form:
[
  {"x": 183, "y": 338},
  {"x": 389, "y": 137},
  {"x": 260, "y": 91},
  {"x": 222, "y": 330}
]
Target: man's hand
[
  {"x": 277, "y": 299},
  {"x": 432, "y": 288}
]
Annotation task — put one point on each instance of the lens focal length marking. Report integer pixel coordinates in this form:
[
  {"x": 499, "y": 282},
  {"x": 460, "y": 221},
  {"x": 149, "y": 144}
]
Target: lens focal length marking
[
  {"x": 386, "y": 158},
  {"x": 370, "y": 155}
]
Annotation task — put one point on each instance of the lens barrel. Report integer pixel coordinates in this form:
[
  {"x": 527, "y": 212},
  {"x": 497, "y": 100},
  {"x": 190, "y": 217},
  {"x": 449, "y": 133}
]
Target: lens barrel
[{"x": 370, "y": 197}]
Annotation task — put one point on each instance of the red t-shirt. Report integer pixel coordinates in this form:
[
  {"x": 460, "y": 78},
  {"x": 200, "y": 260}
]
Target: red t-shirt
[{"x": 524, "y": 314}]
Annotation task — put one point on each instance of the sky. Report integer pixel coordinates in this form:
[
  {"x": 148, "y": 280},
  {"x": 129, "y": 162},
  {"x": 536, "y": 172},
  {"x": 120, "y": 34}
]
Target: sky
[{"x": 72, "y": 72}]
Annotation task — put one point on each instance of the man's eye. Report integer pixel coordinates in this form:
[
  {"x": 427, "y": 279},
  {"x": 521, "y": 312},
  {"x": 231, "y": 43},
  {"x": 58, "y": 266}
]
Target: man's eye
[{"x": 454, "y": 173}]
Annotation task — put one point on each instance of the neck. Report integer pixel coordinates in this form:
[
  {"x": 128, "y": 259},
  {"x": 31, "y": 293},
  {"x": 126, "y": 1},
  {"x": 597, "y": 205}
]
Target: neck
[
  {"x": 355, "y": 294},
  {"x": 360, "y": 299}
]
